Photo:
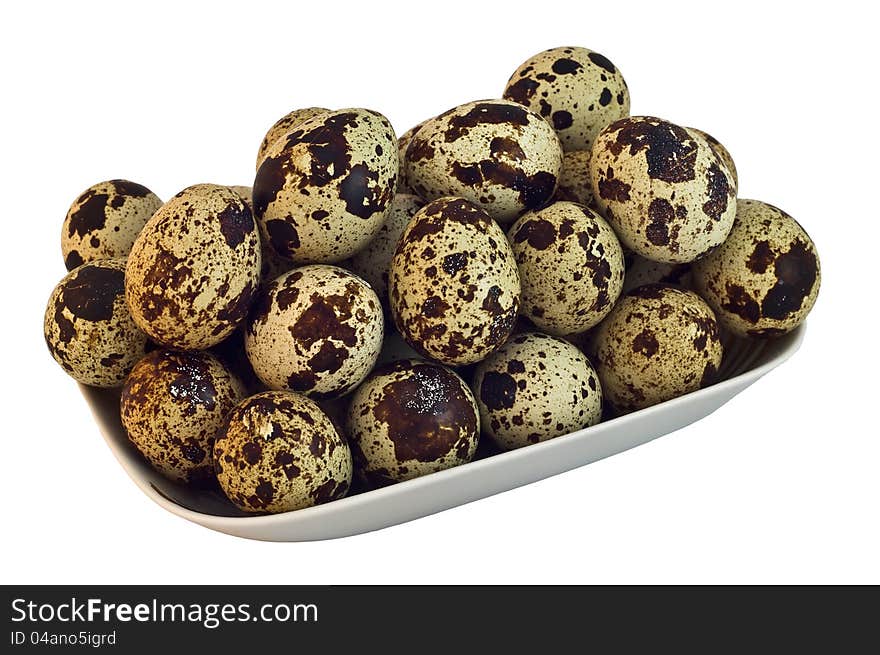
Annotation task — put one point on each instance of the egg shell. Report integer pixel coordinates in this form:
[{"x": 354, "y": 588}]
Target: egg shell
[
  {"x": 411, "y": 418},
  {"x": 643, "y": 271},
  {"x": 574, "y": 180},
  {"x": 194, "y": 268},
  {"x": 536, "y": 387},
  {"x": 722, "y": 152},
  {"x": 172, "y": 405},
  {"x": 495, "y": 153},
  {"x": 278, "y": 452},
  {"x": 88, "y": 328},
  {"x": 316, "y": 330},
  {"x": 324, "y": 189},
  {"x": 232, "y": 355},
  {"x": 285, "y": 124},
  {"x": 764, "y": 279},
  {"x": 570, "y": 265},
  {"x": 402, "y": 144},
  {"x": 666, "y": 193},
  {"x": 272, "y": 264},
  {"x": 372, "y": 262},
  {"x": 658, "y": 343},
  {"x": 104, "y": 221},
  {"x": 577, "y": 90},
  {"x": 453, "y": 284}
]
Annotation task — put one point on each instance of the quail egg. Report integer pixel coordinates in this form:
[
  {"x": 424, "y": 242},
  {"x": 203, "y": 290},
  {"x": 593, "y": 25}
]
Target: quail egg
[
  {"x": 577, "y": 90},
  {"x": 764, "y": 279},
  {"x": 104, "y": 221},
  {"x": 496, "y": 153},
  {"x": 173, "y": 403},
  {"x": 643, "y": 271},
  {"x": 570, "y": 264},
  {"x": 324, "y": 189},
  {"x": 721, "y": 151},
  {"x": 194, "y": 268},
  {"x": 536, "y": 387},
  {"x": 574, "y": 181},
  {"x": 411, "y": 418},
  {"x": 453, "y": 284},
  {"x": 88, "y": 327},
  {"x": 286, "y": 124},
  {"x": 278, "y": 451},
  {"x": 658, "y": 343},
  {"x": 316, "y": 330},
  {"x": 402, "y": 145},
  {"x": 232, "y": 355},
  {"x": 666, "y": 193},
  {"x": 372, "y": 262},
  {"x": 272, "y": 264}
]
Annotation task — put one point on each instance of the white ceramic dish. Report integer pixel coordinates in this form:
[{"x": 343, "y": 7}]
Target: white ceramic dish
[{"x": 744, "y": 363}]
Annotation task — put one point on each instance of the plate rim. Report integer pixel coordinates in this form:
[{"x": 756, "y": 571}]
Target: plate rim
[{"x": 220, "y": 522}]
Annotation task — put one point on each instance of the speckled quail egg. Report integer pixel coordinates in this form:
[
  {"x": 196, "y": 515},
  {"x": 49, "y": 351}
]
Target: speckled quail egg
[
  {"x": 232, "y": 355},
  {"x": 574, "y": 181},
  {"x": 194, "y": 268},
  {"x": 658, "y": 343},
  {"x": 88, "y": 327},
  {"x": 453, "y": 284},
  {"x": 324, "y": 189},
  {"x": 402, "y": 145},
  {"x": 577, "y": 90},
  {"x": 279, "y": 452},
  {"x": 495, "y": 153},
  {"x": 173, "y": 403},
  {"x": 666, "y": 193},
  {"x": 764, "y": 279},
  {"x": 534, "y": 388},
  {"x": 570, "y": 264},
  {"x": 721, "y": 151},
  {"x": 104, "y": 221},
  {"x": 372, "y": 262},
  {"x": 411, "y": 418},
  {"x": 316, "y": 330},
  {"x": 643, "y": 271},
  {"x": 286, "y": 124},
  {"x": 272, "y": 264}
]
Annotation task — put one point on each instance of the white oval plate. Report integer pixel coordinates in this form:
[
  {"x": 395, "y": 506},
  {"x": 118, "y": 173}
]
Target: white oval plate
[{"x": 744, "y": 363}]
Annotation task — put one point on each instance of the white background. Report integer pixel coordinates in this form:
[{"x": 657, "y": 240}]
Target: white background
[{"x": 780, "y": 485}]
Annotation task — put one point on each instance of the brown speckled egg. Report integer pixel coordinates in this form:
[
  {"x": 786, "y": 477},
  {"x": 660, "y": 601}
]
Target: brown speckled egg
[
  {"x": 104, "y": 221},
  {"x": 658, "y": 343},
  {"x": 643, "y": 271},
  {"x": 668, "y": 195},
  {"x": 536, "y": 387},
  {"x": 372, "y": 262},
  {"x": 402, "y": 145},
  {"x": 453, "y": 284},
  {"x": 324, "y": 189},
  {"x": 88, "y": 327},
  {"x": 577, "y": 90},
  {"x": 570, "y": 265},
  {"x": 721, "y": 151},
  {"x": 764, "y": 279},
  {"x": 285, "y": 124},
  {"x": 495, "y": 153},
  {"x": 194, "y": 268},
  {"x": 279, "y": 452},
  {"x": 411, "y": 418},
  {"x": 272, "y": 264},
  {"x": 173, "y": 403},
  {"x": 316, "y": 330},
  {"x": 574, "y": 181}
]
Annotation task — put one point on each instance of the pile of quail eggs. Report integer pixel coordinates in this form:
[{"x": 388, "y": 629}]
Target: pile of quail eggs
[{"x": 366, "y": 312}]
